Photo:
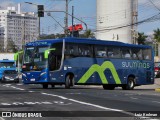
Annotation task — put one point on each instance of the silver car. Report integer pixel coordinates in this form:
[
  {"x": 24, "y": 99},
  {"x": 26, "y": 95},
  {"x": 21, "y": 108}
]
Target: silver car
[{"x": 10, "y": 76}]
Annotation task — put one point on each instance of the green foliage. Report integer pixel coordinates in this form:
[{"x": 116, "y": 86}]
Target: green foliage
[
  {"x": 141, "y": 38},
  {"x": 157, "y": 35},
  {"x": 87, "y": 34},
  {"x": 11, "y": 47}
]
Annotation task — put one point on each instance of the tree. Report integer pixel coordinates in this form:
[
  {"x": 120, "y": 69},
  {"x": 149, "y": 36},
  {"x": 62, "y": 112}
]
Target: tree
[
  {"x": 157, "y": 35},
  {"x": 157, "y": 40},
  {"x": 1, "y": 45},
  {"x": 88, "y": 34},
  {"x": 141, "y": 38},
  {"x": 11, "y": 47}
]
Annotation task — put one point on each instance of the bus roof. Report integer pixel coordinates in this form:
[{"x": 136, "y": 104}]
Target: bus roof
[{"x": 48, "y": 42}]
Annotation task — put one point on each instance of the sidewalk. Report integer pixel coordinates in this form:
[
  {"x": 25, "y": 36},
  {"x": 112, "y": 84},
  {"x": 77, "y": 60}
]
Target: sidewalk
[{"x": 155, "y": 86}]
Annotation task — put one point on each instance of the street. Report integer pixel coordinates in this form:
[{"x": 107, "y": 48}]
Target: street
[{"x": 78, "y": 102}]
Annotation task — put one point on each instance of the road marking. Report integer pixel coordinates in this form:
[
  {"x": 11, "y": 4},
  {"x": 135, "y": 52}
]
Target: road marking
[
  {"x": 156, "y": 101},
  {"x": 9, "y": 85},
  {"x": 2, "y": 118},
  {"x": 31, "y": 91},
  {"x": 16, "y": 88},
  {"x": 19, "y": 84},
  {"x": 37, "y": 103},
  {"x": 101, "y": 107},
  {"x": 74, "y": 93},
  {"x": 55, "y": 95},
  {"x": 134, "y": 98},
  {"x": 90, "y": 104}
]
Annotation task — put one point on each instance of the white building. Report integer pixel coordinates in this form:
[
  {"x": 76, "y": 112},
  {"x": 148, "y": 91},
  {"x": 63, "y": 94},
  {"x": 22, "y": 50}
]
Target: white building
[
  {"x": 17, "y": 27},
  {"x": 115, "y": 19}
]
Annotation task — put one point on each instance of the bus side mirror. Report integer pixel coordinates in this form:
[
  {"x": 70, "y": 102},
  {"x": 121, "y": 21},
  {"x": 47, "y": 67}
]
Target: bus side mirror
[
  {"x": 15, "y": 56},
  {"x": 46, "y": 52}
]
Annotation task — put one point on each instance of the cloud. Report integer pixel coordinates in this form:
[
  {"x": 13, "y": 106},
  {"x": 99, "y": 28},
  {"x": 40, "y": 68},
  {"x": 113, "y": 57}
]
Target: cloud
[{"x": 7, "y": 3}]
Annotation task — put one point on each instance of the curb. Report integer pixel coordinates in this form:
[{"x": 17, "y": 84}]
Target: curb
[{"x": 157, "y": 90}]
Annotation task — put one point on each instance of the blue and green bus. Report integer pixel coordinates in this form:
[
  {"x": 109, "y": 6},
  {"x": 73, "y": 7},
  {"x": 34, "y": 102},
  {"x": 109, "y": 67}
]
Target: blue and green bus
[{"x": 77, "y": 61}]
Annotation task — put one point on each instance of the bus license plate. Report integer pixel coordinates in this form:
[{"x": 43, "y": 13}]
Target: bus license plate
[{"x": 32, "y": 79}]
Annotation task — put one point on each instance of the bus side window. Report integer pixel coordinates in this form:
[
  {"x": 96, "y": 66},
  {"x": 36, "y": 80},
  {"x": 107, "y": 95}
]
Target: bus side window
[
  {"x": 71, "y": 50},
  {"x": 100, "y": 51},
  {"x": 113, "y": 52},
  {"x": 139, "y": 54},
  {"x": 126, "y": 53},
  {"x": 85, "y": 50},
  {"x": 147, "y": 54},
  {"x": 110, "y": 52},
  {"x": 136, "y": 53}
]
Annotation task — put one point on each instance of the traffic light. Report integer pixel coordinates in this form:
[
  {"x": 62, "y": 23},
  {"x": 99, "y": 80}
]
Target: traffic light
[{"x": 40, "y": 11}]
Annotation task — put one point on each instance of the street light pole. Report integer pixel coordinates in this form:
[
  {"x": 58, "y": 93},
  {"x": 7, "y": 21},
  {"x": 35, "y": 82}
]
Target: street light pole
[{"x": 39, "y": 20}]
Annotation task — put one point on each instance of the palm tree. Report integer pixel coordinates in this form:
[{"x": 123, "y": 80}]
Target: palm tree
[
  {"x": 88, "y": 34},
  {"x": 157, "y": 39},
  {"x": 157, "y": 35},
  {"x": 141, "y": 38}
]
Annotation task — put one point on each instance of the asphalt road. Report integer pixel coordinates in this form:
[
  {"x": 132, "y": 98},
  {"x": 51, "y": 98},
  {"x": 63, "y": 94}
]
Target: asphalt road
[{"x": 79, "y": 102}]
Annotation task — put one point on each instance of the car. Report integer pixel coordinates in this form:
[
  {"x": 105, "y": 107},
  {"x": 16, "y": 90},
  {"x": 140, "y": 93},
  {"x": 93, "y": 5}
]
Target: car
[
  {"x": 10, "y": 76},
  {"x": 157, "y": 69}
]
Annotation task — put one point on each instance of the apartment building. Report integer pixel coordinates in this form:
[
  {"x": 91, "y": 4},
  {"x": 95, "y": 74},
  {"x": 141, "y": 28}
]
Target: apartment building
[{"x": 18, "y": 27}]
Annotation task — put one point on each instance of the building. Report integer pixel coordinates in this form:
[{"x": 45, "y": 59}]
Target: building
[
  {"x": 116, "y": 19},
  {"x": 17, "y": 27}
]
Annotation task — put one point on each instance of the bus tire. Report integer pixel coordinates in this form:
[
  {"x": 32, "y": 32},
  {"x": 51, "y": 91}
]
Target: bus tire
[
  {"x": 52, "y": 85},
  {"x": 108, "y": 87},
  {"x": 45, "y": 86},
  {"x": 130, "y": 84},
  {"x": 69, "y": 81}
]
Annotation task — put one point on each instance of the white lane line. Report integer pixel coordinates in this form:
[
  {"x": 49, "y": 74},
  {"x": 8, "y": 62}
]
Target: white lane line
[
  {"x": 16, "y": 88},
  {"x": 8, "y": 85},
  {"x": 2, "y": 118},
  {"x": 31, "y": 91},
  {"x": 90, "y": 104},
  {"x": 97, "y": 106},
  {"x": 19, "y": 84},
  {"x": 55, "y": 95},
  {"x": 156, "y": 101},
  {"x": 134, "y": 98}
]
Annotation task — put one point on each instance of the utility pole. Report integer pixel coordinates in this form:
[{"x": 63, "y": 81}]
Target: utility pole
[
  {"x": 72, "y": 20},
  {"x": 66, "y": 19},
  {"x": 134, "y": 20}
]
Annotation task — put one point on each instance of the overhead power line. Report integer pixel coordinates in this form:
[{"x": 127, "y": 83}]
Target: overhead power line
[
  {"x": 154, "y": 5},
  {"x": 150, "y": 19}
]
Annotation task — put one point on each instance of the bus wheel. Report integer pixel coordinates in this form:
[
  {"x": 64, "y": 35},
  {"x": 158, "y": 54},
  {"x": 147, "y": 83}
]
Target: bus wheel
[
  {"x": 45, "y": 86},
  {"x": 108, "y": 87},
  {"x": 130, "y": 84},
  {"x": 68, "y": 81},
  {"x": 52, "y": 85}
]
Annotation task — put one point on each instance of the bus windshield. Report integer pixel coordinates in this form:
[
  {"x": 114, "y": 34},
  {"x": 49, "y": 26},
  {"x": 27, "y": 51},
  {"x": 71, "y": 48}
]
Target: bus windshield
[
  {"x": 34, "y": 58},
  {"x": 6, "y": 64}
]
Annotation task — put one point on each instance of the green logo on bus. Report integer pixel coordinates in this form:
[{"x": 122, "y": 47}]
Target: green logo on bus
[{"x": 100, "y": 70}]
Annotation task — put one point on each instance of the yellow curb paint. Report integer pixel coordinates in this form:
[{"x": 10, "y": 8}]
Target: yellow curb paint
[{"x": 157, "y": 90}]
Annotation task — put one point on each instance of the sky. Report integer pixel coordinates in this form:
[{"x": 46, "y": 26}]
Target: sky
[{"x": 84, "y": 10}]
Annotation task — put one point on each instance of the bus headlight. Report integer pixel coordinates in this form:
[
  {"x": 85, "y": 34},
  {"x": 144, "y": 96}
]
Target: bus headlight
[
  {"x": 6, "y": 77},
  {"x": 43, "y": 73},
  {"x": 24, "y": 75}
]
